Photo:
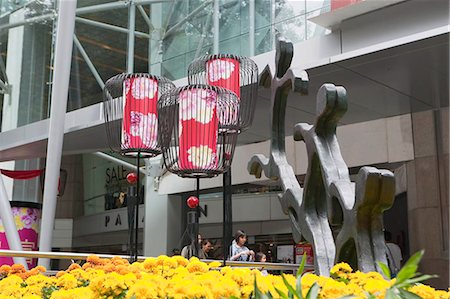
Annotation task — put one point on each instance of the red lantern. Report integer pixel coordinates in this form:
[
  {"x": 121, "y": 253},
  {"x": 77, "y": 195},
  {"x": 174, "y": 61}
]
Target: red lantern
[
  {"x": 236, "y": 73},
  {"x": 192, "y": 202},
  {"x": 131, "y": 114},
  {"x": 198, "y": 129},
  {"x": 132, "y": 178}
]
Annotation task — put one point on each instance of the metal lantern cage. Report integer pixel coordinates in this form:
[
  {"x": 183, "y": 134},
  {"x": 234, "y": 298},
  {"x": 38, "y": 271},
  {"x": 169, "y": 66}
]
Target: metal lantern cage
[
  {"x": 240, "y": 75},
  {"x": 236, "y": 73},
  {"x": 199, "y": 125},
  {"x": 130, "y": 105},
  {"x": 130, "y": 111}
]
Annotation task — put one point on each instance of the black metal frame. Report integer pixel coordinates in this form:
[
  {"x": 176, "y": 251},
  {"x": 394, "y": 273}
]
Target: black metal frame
[
  {"x": 248, "y": 75},
  {"x": 227, "y": 109},
  {"x": 113, "y": 109}
]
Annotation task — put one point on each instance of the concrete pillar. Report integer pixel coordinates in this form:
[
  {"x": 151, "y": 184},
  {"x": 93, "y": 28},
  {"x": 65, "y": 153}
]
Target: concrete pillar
[
  {"x": 428, "y": 207},
  {"x": 163, "y": 218}
]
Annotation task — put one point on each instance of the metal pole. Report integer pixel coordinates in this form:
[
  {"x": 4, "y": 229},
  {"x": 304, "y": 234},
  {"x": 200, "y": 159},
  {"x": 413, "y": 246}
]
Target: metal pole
[
  {"x": 145, "y": 17},
  {"x": 131, "y": 28},
  {"x": 197, "y": 217},
  {"x": 119, "y": 161},
  {"x": 110, "y": 27},
  {"x": 272, "y": 24},
  {"x": 216, "y": 13},
  {"x": 251, "y": 27},
  {"x": 138, "y": 199},
  {"x": 60, "y": 88},
  {"x": 29, "y": 21},
  {"x": 88, "y": 62},
  {"x": 7, "y": 218},
  {"x": 227, "y": 214}
]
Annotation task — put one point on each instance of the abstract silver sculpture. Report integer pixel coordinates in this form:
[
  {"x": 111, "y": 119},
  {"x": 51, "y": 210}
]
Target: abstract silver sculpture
[{"x": 361, "y": 240}]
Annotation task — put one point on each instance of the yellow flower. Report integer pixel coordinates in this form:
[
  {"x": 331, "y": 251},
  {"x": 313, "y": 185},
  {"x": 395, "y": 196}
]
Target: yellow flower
[
  {"x": 77, "y": 293},
  {"x": 67, "y": 281}
]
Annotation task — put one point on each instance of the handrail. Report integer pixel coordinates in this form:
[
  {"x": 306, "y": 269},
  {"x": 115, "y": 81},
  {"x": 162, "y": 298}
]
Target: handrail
[{"x": 84, "y": 256}]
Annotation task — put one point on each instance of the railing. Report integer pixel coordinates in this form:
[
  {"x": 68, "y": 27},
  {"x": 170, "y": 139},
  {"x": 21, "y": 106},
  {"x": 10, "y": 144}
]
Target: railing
[{"x": 84, "y": 256}]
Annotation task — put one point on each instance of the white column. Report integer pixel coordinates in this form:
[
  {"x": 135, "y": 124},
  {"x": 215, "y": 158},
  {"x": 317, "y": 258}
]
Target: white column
[
  {"x": 7, "y": 218},
  {"x": 60, "y": 87},
  {"x": 162, "y": 220}
]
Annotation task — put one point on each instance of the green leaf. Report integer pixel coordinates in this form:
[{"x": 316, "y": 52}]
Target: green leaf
[
  {"x": 257, "y": 293},
  {"x": 281, "y": 293},
  {"x": 385, "y": 270},
  {"x": 302, "y": 266},
  {"x": 349, "y": 297},
  {"x": 408, "y": 295},
  {"x": 234, "y": 297},
  {"x": 370, "y": 295},
  {"x": 313, "y": 292},
  {"x": 390, "y": 294},
  {"x": 414, "y": 280},
  {"x": 410, "y": 268},
  {"x": 299, "y": 285},
  {"x": 291, "y": 289}
]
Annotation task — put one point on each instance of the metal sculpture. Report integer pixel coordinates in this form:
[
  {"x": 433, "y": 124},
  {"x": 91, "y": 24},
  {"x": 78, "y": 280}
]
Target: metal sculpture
[{"x": 327, "y": 179}]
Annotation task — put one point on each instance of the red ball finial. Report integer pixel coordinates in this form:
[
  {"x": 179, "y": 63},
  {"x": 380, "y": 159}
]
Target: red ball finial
[
  {"x": 132, "y": 178},
  {"x": 192, "y": 202}
]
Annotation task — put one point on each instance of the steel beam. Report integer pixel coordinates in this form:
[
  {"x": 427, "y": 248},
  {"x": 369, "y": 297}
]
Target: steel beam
[
  {"x": 81, "y": 11},
  {"x": 251, "y": 27},
  {"x": 145, "y": 16},
  {"x": 131, "y": 31},
  {"x": 120, "y": 162},
  {"x": 88, "y": 62},
  {"x": 6, "y": 215},
  {"x": 29, "y": 21},
  {"x": 202, "y": 38},
  {"x": 110, "y": 27},
  {"x": 216, "y": 25},
  {"x": 185, "y": 19},
  {"x": 60, "y": 87}
]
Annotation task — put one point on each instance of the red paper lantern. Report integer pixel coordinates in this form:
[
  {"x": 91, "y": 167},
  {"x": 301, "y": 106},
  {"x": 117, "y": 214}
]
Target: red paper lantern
[
  {"x": 192, "y": 202},
  {"x": 131, "y": 114},
  {"x": 198, "y": 129},
  {"x": 132, "y": 178},
  {"x": 236, "y": 73}
]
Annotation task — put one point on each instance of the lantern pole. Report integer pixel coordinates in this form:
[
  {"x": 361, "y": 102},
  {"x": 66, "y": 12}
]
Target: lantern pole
[
  {"x": 136, "y": 219},
  {"x": 197, "y": 217},
  {"x": 227, "y": 214}
]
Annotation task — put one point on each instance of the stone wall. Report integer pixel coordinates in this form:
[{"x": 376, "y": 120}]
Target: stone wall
[{"x": 428, "y": 198}]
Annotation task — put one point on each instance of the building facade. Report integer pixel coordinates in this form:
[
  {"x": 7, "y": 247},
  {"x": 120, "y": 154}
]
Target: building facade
[{"x": 391, "y": 56}]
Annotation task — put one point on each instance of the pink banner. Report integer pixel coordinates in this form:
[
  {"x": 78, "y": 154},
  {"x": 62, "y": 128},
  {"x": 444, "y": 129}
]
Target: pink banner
[
  {"x": 224, "y": 72},
  {"x": 198, "y": 127},
  {"x": 27, "y": 220},
  {"x": 140, "y": 114}
]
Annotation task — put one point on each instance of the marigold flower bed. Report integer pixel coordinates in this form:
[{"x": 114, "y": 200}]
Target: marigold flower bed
[{"x": 176, "y": 277}]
